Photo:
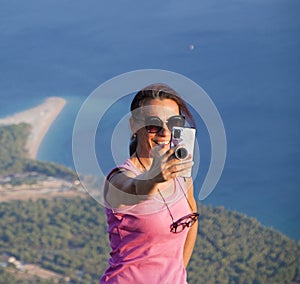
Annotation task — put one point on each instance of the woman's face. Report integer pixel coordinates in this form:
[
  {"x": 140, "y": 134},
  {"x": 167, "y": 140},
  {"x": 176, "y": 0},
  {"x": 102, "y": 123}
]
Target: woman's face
[{"x": 164, "y": 109}]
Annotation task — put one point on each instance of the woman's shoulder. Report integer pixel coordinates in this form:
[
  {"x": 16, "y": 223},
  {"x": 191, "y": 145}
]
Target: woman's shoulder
[{"x": 126, "y": 166}]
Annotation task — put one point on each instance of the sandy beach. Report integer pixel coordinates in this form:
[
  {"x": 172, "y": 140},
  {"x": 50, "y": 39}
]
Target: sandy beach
[{"x": 40, "y": 118}]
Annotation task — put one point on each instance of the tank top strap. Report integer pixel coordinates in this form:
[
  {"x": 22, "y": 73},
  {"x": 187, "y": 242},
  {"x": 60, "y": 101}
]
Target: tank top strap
[{"x": 127, "y": 165}]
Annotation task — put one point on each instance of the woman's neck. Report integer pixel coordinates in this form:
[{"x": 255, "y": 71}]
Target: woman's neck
[{"x": 144, "y": 163}]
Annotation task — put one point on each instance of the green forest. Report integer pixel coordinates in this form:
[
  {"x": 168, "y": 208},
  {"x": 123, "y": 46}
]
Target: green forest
[
  {"x": 13, "y": 155},
  {"x": 69, "y": 236}
]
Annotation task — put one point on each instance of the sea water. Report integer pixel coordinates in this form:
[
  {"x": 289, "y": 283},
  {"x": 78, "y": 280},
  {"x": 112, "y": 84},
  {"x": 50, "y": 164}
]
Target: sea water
[{"x": 245, "y": 55}]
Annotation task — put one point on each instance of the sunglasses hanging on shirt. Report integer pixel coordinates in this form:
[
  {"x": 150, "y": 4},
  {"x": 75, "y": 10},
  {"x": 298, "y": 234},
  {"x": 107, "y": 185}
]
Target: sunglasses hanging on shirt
[{"x": 186, "y": 221}]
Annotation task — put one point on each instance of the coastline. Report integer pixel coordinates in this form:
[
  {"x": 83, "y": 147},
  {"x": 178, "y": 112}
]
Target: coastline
[{"x": 40, "y": 118}]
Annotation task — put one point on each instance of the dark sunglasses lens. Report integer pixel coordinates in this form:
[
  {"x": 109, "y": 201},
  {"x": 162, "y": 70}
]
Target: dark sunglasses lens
[
  {"x": 185, "y": 221},
  {"x": 192, "y": 218},
  {"x": 176, "y": 121},
  {"x": 177, "y": 228},
  {"x": 153, "y": 124}
]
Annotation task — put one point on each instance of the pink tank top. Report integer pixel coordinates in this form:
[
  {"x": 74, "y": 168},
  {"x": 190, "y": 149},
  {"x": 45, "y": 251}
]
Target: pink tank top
[{"x": 143, "y": 250}]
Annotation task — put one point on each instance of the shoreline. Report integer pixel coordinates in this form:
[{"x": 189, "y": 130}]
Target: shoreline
[{"x": 40, "y": 118}]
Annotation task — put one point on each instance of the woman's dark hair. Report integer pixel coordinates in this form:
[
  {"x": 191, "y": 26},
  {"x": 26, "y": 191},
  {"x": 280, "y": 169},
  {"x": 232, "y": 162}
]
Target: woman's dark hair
[{"x": 158, "y": 91}]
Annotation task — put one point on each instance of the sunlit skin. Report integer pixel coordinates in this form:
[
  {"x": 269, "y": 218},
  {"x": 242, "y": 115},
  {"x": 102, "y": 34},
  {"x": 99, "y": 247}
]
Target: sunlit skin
[
  {"x": 153, "y": 156},
  {"x": 147, "y": 141},
  {"x": 153, "y": 149}
]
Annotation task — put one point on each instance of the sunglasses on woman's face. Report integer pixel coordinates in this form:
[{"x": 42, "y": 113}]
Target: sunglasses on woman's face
[{"x": 154, "y": 124}]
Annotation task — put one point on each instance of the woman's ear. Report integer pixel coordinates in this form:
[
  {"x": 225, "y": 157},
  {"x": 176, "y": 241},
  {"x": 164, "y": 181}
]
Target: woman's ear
[{"x": 132, "y": 125}]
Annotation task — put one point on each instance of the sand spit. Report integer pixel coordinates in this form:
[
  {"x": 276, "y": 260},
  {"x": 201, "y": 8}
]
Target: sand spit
[{"x": 40, "y": 118}]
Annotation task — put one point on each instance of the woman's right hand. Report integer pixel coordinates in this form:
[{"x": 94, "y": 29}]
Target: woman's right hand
[{"x": 166, "y": 167}]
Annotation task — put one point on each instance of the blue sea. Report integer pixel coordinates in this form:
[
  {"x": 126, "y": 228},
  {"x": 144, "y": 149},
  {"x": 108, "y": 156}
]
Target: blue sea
[{"x": 244, "y": 54}]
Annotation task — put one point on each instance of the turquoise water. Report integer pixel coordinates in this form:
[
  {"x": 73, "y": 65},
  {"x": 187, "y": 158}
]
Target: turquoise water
[{"x": 246, "y": 57}]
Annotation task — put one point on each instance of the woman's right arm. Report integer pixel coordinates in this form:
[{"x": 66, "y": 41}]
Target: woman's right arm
[{"x": 124, "y": 187}]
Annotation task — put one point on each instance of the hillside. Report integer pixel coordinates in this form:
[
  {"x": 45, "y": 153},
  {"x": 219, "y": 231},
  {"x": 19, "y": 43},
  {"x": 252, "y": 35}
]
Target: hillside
[
  {"x": 46, "y": 239},
  {"x": 68, "y": 237},
  {"x": 14, "y": 157}
]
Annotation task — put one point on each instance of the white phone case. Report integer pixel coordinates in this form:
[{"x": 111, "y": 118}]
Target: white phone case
[{"x": 184, "y": 136}]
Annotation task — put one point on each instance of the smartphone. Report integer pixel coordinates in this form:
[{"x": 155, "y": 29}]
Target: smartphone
[{"x": 185, "y": 137}]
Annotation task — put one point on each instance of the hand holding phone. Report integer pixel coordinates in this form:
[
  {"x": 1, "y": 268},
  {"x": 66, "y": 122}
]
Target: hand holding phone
[{"x": 184, "y": 139}]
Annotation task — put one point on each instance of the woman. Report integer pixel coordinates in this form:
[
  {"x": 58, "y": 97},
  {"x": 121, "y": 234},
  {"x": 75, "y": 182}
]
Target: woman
[{"x": 147, "y": 194}]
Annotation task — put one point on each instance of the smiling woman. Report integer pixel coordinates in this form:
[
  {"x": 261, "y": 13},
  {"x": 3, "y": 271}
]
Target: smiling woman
[{"x": 147, "y": 194}]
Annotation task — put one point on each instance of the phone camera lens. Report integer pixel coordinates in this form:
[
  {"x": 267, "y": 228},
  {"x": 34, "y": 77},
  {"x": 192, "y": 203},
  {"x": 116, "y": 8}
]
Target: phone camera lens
[
  {"x": 181, "y": 153},
  {"x": 177, "y": 133}
]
